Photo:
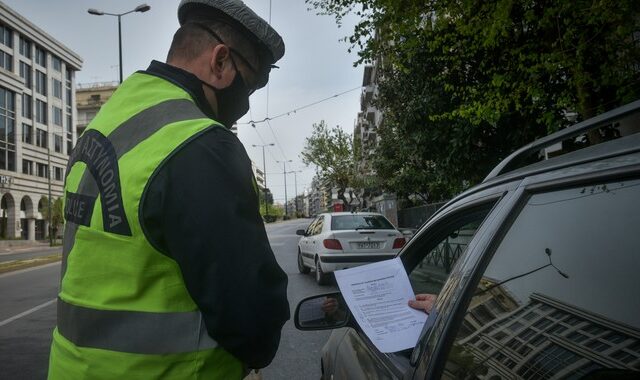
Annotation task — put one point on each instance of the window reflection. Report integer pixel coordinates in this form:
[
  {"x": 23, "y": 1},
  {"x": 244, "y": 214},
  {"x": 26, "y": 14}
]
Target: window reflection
[{"x": 558, "y": 300}]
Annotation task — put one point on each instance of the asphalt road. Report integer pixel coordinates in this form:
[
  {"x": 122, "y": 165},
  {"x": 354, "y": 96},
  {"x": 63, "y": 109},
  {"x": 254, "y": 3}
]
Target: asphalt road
[
  {"x": 299, "y": 354},
  {"x": 27, "y": 316}
]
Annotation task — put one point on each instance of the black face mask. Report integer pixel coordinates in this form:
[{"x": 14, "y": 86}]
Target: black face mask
[{"x": 233, "y": 100}]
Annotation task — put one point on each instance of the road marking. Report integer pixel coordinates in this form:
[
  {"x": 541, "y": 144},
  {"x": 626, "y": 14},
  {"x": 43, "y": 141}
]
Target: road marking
[
  {"x": 25, "y": 313},
  {"x": 21, "y": 271}
]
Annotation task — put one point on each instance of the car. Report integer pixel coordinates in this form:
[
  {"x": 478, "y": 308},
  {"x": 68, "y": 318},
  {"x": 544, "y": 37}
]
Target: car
[
  {"x": 535, "y": 270},
  {"x": 340, "y": 240}
]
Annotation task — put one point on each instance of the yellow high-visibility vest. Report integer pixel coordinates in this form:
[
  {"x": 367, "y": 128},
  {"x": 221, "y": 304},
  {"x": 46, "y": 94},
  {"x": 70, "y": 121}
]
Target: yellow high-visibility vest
[{"x": 123, "y": 310}]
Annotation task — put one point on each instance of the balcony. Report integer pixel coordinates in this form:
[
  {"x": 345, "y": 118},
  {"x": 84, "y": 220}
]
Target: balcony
[{"x": 367, "y": 94}]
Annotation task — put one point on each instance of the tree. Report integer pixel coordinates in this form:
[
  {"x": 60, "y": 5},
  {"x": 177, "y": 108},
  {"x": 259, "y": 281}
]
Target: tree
[
  {"x": 332, "y": 151},
  {"x": 57, "y": 215},
  {"x": 466, "y": 83}
]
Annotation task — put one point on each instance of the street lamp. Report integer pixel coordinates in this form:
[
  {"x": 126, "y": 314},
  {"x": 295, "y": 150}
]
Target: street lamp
[
  {"x": 295, "y": 181},
  {"x": 264, "y": 168},
  {"x": 139, "y": 8},
  {"x": 284, "y": 171}
]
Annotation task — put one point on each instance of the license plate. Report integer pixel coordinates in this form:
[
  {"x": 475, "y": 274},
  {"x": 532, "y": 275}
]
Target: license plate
[{"x": 369, "y": 245}]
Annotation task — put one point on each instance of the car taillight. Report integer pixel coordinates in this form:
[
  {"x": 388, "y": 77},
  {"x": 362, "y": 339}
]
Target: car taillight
[
  {"x": 398, "y": 243},
  {"x": 332, "y": 244}
]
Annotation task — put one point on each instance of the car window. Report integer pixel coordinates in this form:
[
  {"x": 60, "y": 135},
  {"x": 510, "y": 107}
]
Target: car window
[
  {"x": 318, "y": 227},
  {"x": 312, "y": 226},
  {"x": 559, "y": 298},
  {"x": 438, "y": 259},
  {"x": 352, "y": 222}
]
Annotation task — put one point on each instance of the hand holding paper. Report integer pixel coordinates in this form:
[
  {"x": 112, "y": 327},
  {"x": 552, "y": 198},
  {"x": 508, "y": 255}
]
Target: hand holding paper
[{"x": 378, "y": 295}]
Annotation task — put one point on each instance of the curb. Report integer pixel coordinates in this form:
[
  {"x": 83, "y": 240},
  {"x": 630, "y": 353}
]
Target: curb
[{"x": 26, "y": 249}]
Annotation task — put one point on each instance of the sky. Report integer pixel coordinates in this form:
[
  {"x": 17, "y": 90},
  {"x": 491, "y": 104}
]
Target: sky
[{"x": 316, "y": 65}]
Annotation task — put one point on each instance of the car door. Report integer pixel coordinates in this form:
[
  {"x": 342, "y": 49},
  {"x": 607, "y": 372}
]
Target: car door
[
  {"x": 429, "y": 258},
  {"x": 315, "y": 240},
  {"x": 305, "y": 242},
  {"x": 556, "y": 296}
]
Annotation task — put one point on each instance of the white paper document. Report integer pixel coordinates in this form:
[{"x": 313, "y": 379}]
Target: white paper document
[{"x": 378, "y": 296}]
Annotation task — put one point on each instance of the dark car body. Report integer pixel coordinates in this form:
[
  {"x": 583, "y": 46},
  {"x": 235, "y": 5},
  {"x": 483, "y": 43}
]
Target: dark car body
[{"x": 536, "y": 270}]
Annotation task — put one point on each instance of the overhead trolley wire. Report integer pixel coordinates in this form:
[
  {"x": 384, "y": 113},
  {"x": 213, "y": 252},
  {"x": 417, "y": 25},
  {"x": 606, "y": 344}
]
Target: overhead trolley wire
[{"x": 251, "y": 122}]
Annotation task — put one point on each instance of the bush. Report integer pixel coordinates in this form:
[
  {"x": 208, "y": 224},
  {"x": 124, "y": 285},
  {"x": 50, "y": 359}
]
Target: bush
[{"x": 270, "y": 218}]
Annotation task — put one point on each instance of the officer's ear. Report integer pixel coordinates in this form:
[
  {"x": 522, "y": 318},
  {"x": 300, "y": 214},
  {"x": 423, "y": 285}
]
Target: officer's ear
[{"x": 222, "y": 70}]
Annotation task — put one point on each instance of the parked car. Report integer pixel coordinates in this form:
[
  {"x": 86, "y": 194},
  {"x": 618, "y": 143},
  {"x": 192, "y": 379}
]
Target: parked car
[
  {"x": 340, "y": 240},
  {"x": 536, "y": 270}
]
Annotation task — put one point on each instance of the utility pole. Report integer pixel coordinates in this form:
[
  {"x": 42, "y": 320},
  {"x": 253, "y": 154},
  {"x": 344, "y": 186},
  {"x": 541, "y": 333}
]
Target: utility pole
[
  {"x": 264, "y": 168},
  {"x": 284, "y": 172},
  {"x": 295, "y": 181}
]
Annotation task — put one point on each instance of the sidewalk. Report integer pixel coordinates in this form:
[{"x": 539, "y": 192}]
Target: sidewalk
[{"x": 8, "y": 247}]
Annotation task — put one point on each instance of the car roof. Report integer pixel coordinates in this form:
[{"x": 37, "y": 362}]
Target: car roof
[
  {"x": 613, "y": 147},
  {"x": 351, "y": 213}
]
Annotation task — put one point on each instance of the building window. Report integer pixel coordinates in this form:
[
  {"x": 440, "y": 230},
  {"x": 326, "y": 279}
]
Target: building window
[
  {"x": 27, "y": 134},
  {"x": 27, "y": 167},
  {"x": 42, "y": 170},
  {"x": 6, "y": 36},
  {"x": 7, "y": 130},
  {"x": 57, "y": 116},
  {"x": 41, "y": 112},
  {"x": 57, "y": 143},
  {"x": 41, "y": 138},
  {"x": 41, "y": 83},
  {"x": 57, "y": 88},
  {"x": 41, "y": 56},
  {"x": 27, "y": 106},
  {"x": 69, "y": 110},
  {"x": 56, "y": 63},
  {"x": 6, "y": 61},
  {"x": 25, "y": 73},
  {"x": 58, "y": 173},
  {"x": 25, "y": 47}
]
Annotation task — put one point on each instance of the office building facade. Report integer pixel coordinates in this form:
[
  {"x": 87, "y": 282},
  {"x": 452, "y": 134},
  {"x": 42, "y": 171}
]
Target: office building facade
[{"x": 37, "y": 123}]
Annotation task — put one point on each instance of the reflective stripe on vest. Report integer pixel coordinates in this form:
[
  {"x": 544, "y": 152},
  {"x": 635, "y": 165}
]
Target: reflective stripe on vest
[{"x": 133, "y": 332}]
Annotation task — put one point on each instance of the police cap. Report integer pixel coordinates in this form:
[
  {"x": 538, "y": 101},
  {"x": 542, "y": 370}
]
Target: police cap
[{"x": 236, "y": 11}]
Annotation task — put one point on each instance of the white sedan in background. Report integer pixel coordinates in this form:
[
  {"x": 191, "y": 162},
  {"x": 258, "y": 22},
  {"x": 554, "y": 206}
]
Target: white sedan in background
[{"x": 342, "y": 240}]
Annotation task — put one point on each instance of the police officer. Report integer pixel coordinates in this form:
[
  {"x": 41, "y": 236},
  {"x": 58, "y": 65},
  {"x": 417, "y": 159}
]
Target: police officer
[{"x": 167, "y": 271}]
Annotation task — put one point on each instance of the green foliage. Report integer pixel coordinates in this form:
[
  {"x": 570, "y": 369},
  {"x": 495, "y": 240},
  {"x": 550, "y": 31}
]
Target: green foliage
[
  {"x": 331, "y": 150},
  {"x": 467, "y": 82},
  {"x": 57, "y": 214},
  {"x": 275, "y": 210}
]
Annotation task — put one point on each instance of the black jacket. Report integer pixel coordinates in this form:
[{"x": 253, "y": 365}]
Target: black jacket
[{"x": 201, "y": 209}]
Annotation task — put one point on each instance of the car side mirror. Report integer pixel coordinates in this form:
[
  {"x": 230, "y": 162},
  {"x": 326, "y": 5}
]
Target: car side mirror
[
  {"x": 328, "y": 311},
  {"x": 301, "y": 233}
]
